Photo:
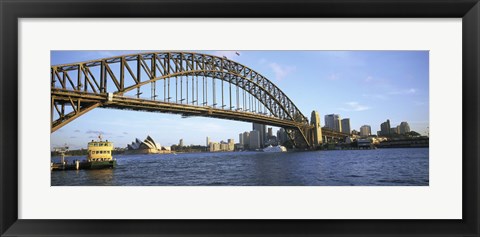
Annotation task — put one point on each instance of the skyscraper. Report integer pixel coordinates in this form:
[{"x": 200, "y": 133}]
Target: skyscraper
[
  {"x": 208, "y": 141},
  {"x": 404, "y": 127},
  {"x": 365, "y": 130},
  {"x": 180, "y": 143},
  {"x": 255, "y": 139},
  {"x": 332, "y": 121},
  {"x": 282, "y": 135},
  {"x": 270, "y": 132},
  {"x": 261, "y": 128},
  {"x": 385, "y": 128},
  {"x": 346, "y": 126},
  {"x": 246, "y": 138},
  {"x": 240, "y": 138}
]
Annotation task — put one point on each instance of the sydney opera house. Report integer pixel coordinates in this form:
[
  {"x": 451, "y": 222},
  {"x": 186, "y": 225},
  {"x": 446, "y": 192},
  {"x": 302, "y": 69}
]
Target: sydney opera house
[{"x": 148, "y": 146}]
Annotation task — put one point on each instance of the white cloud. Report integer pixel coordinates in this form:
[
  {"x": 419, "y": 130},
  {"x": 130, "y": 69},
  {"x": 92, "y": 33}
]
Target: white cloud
[
  {"x": 355, "y": 106},
  {"x": 404, "y": 92},
  {"x": 281, "y": 71}
]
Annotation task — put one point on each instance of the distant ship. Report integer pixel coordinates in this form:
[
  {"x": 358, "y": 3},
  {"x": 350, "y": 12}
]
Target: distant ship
[
  {"x": 99, "y": 157},
  {"x": 275, "y": 149}
]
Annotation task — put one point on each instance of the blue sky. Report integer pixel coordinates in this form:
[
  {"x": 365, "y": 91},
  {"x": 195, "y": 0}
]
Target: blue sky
[{"x": 368, "y": 87}]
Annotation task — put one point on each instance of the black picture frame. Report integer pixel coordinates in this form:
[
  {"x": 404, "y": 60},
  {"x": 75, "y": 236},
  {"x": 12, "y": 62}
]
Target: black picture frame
[{"x": 11, "y": 11}]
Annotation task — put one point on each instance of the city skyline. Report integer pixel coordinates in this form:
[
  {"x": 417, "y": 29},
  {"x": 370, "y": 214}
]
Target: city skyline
[{"x": 368, "y": 87}]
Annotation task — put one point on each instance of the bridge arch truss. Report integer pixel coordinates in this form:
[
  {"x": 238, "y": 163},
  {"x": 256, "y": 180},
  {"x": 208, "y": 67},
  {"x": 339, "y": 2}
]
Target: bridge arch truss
[{"x": 191, "y": 84}]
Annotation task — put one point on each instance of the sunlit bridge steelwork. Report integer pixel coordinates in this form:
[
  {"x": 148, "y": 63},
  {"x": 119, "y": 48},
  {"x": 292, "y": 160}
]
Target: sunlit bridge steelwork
[{"x": 190, "y": 84}]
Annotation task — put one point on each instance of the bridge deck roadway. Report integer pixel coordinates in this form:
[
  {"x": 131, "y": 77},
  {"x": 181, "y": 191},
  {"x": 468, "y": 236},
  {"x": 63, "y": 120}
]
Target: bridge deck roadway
[{"x": 129, "y": 103}]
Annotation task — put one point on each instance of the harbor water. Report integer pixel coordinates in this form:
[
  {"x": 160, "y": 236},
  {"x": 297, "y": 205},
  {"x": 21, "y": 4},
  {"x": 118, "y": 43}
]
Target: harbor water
[{"x": 381, "y": 167}]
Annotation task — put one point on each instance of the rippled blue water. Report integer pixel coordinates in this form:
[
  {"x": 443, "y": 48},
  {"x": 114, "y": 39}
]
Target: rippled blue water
[{"x": 382, "y": 167}]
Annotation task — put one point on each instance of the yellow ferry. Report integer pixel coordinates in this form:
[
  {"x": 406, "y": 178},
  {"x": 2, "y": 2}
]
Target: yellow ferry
[{"x": 99, "y": 156}]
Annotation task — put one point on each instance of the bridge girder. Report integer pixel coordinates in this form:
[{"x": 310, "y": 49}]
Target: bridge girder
[{"x": 122, "y": 74}]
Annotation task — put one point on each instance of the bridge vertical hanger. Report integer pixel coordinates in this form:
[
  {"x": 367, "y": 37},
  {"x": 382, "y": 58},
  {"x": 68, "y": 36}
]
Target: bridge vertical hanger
[
  {"x": 139, "y": 76},
  {"x": 223, "y": 78},
  {"x": 181, "y": 78},
  {"x": 230, "y": 92},
  {"x": 196, "y": 79},
  {"x": 102, "y": 77},
  {"x": 259, "y": 96},
  {"x": 153, "y": 75}
]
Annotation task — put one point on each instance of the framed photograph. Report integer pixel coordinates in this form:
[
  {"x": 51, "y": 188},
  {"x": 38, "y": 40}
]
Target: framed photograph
[{"x": 161, "y": 118}]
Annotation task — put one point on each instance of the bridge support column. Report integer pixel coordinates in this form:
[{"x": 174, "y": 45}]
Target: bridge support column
[{"x": 316, "y": 131}]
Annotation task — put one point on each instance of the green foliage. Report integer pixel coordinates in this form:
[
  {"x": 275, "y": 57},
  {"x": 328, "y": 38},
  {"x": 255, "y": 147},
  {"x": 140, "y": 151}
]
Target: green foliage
[{"x": 193, "y": 148}]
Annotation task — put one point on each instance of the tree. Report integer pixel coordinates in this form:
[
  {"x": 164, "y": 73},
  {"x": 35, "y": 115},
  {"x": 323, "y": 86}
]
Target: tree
[{"x": 412, "y": 134}]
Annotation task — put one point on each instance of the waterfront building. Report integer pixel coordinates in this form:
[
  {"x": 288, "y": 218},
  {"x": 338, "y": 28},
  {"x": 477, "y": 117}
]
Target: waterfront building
[
  {"x": 346, "y": 126},
  {"x": 404, "y": 127},
  {"x": 231, "y": 144},
  {"x": 214, "y": 146},
  {"x": 271, "y": 141},
  {"x": 333, "y": 121},
  {"x": 239, "y": 146},
  {"x": 365, "y": 143},
  {"x": 270, "y": 132},
  {"x": 222, "y": 146},
  {"x": 282, "y": 135},
  {"x": 246, "y": 139},
  {"x": 255, "y": 140},
  {"x": 240, "y": 138},
  {"x": 395, "y": 130},
  {"x": 208, "y": 141},
  {"x": 385, "y": 128},
  {"x": 148, "y": 146},
  {"x": 180, "y": 143},
  {"x": 365, "y": 130},
  {"x": 261, "y": 128}
]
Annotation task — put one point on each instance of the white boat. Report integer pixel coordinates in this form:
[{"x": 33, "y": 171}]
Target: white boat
[{"x": 275, "y": 149}]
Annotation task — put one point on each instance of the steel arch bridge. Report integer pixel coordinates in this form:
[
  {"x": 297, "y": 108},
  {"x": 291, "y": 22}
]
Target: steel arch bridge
[{"x": 190, "y": 84}]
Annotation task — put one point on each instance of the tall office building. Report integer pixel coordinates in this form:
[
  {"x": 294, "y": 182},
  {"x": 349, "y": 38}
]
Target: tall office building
[
  {"x": 365, "y": 130},
  {"x": 208, "y": 141},
  {"x": 255, "y": 139},
  {"x": 385, "y": 128},
  {"x": 246, "y": 138},
  {"x": 346, "y": 126},
  {"x": 332, "y": 121},
  {"x": 270, "y": 132},
  {"x": 231, "y": 144},
  {"x": 240, "y": 138},
  {"x": 180, "y": 143},
  {"x": 261, "y": 128},
  {"x": 282, "y": 135},
  {"x": 404, "y": 127}
]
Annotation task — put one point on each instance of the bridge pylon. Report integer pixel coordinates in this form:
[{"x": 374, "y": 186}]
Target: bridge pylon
[{"x": 315, "y": 133}]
